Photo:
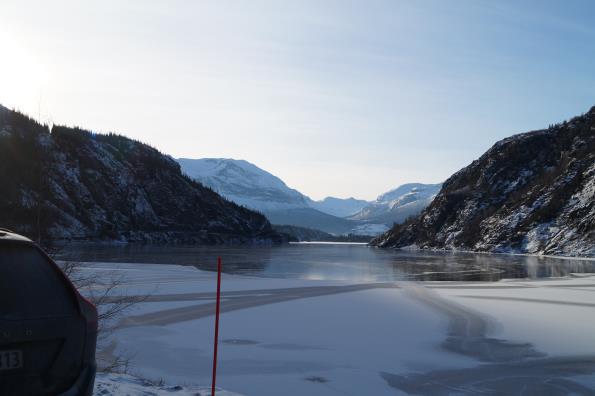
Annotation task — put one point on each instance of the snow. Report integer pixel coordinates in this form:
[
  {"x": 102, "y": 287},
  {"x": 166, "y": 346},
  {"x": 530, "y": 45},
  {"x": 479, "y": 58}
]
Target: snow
[
  {"x": 288, "y": 343},
  {"x": 379, "y": 339},
  {"x": 340, "y": 207},
  {"x": 237, "y": 172},
  {"x": 370, "y": 229},
  {"x": 561, "y": 232},
  {"x": 536, "y": 237},
  {"x": 524, "y": 176},
  {"x": 425, "y": 190},
  {"x": 555, "y": 315},
  {"x": 398, "y": 204},
  {"x": 248, "y": 185},
  {"x": 244, "y": 183},
  {"x": 112, "y": 384}
]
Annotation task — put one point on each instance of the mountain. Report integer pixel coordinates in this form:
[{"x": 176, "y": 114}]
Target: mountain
[
  {"x": 312, "y": 218},
  {"x": 250, "y": 186},
  {"x": 69, "y": 183},
  {"x": 253, "y": 187},
  {"x": 530, "y": 193},
  {"x": 301, "y": 234},
  {"x": 246, "y": 184},
  {"x": 339, "y": 207},
  {"x": 399, "y": 204}
]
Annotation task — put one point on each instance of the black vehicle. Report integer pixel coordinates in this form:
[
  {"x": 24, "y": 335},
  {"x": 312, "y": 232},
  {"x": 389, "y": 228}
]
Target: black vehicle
[{"x": 48, "y": 331}]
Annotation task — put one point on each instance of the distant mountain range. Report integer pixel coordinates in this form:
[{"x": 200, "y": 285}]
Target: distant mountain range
[
  {"x": 301, "y": 234},
  {"x": 340, "y": 207},
  {"x": 248, "y": 185},
  {"x": 68, "y": 183},
  {"x": 399, "y": 204},
  {"x": 530, "y": 193}
]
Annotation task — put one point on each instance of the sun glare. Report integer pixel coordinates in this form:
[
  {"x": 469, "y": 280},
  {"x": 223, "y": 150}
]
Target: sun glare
[{"x": 22, "y": 77}]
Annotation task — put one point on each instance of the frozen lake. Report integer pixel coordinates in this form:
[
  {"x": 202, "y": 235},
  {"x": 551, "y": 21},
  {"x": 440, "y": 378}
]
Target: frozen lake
[
  {"x": 348, "y": 262},
  {"x": 321, "y": 337}
]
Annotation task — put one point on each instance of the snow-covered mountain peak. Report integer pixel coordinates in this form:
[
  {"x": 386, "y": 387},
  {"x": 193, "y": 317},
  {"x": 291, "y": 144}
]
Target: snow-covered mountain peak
[
  {"x": 340, "y": 207},
  {"x": 396, "y": 205},
  {"x": 244, "y": 183},
  {"x": 418, "y": 189},
  {"x": 238, "y": 172}
]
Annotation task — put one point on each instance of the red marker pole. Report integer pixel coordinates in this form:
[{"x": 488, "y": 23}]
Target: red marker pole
[{"x": 216, "y": 326}]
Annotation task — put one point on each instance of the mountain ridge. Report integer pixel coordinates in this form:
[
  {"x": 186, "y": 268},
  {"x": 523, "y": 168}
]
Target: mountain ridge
[
  {"x": 398, "y": 204},
  {"x": 244, "y": 183},
  {"x": 239, "y": 179},
  {"x": 248, "y": 185},
  {"x": 340, "y": 207},
  {"x": 532, "y": 192},
  {"x": 255, "y": 188},
  {"x": 69, "y": 183}
]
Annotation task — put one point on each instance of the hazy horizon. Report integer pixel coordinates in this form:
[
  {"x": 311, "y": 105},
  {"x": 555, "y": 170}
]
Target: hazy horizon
[{"x": 336, "y": 98}]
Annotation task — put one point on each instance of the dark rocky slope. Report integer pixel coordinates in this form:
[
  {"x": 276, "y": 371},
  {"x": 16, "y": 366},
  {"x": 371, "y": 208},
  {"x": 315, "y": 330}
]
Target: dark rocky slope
[
  {"x": 530, "y": 193},
  {"x": 74, "y": 184}
]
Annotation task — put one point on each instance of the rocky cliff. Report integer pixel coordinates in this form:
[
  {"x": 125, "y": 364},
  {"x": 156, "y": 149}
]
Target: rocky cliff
[{"x": 530, "y": 193}]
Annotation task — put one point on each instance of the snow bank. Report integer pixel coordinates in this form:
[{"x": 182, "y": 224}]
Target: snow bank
[{"x": 110, "y": 384}]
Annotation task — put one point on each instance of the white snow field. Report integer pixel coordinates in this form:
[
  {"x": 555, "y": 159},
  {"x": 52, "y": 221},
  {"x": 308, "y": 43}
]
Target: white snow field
[{"x": 308, "y": 337}]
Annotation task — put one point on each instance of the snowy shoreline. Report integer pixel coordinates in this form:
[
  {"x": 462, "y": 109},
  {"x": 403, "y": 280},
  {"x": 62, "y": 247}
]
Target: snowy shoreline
[{"x": 415, "y": 248}]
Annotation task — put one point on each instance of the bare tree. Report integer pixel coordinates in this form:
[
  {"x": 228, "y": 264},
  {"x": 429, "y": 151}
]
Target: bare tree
[{"x": 107, "y": 292}]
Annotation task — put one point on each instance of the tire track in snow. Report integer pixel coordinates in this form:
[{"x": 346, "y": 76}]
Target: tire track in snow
[{"x": 235, "y": 300}]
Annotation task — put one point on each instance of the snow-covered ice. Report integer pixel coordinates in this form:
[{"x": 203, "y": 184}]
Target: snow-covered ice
[
  {"x": 298, "y": 337},
  {"x": 112, "y": 384}
]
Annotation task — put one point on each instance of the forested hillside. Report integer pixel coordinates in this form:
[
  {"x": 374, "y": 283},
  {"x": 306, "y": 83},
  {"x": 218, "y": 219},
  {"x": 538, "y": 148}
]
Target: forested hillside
[{"x": 68, "y": 183}]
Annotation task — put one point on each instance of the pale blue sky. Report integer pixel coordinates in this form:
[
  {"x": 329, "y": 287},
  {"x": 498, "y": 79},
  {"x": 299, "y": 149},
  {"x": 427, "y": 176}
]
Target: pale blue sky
[{"x": 343, "y": 98}]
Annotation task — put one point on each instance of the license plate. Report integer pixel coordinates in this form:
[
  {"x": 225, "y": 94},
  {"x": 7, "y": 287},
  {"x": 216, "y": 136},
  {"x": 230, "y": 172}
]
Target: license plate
[{"x": 11, "y": 360}]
